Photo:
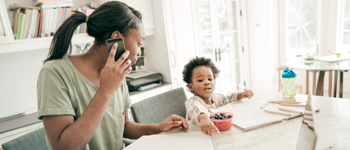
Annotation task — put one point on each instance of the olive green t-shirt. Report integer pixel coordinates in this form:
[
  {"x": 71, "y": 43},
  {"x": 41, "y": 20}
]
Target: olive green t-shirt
[{"x": 63, "y": 90}]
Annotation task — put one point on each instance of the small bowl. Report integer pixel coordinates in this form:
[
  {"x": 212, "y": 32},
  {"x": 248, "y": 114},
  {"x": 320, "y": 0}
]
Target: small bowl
[{"x": 222, "y": 125}]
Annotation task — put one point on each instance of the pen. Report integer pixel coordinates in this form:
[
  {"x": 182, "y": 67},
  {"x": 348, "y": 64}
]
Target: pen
[
  {"x": 264, "y": 105},
  {"x": 296, "y": 105},
  {"x": 289, "y": 110},
  {"x": 276, "y": 112}
]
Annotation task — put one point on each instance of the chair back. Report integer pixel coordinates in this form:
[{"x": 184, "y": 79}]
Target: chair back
[
  {"x": 32, "y": 141},
  {"x": 157, "y": 108}
]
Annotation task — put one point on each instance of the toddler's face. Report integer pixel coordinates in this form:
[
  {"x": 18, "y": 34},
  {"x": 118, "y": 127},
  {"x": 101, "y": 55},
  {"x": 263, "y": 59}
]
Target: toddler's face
[{"x": 203, "y": 84}]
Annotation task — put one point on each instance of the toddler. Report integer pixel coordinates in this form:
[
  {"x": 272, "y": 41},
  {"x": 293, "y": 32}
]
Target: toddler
[{"x": 200, "y": 74}]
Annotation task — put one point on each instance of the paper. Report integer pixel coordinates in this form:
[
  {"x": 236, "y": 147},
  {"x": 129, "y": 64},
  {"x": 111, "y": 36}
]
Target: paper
[
  {"x": 173, "y": 141},
  {"x": 247, "y": 115}
]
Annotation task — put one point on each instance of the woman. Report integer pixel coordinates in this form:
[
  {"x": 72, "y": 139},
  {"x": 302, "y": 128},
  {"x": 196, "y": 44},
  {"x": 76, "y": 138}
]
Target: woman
[{"x": 83, "y": 99}]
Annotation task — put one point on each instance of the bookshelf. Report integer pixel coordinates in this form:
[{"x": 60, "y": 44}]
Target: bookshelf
[{"x": 8, "y": 44}]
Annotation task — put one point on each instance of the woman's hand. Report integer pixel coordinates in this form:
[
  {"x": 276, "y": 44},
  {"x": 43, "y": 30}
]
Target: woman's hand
[
  {"x": 114, "y": 72},
  {"x": 245, "y": 94},
  {"x": 174, "y": 121},
  {"x": 206, "y": 126}
]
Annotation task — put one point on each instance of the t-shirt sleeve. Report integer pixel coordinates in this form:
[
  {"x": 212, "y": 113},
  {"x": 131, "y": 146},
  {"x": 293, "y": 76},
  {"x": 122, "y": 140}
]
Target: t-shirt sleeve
[
  {"x": 52, "y": 93},
  {"x": 127, "y": 101},
  {"x": 195, "y": 107}
]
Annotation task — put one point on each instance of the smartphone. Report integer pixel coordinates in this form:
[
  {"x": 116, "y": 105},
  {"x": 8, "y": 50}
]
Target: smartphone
[{"x": 120, "y": 49}]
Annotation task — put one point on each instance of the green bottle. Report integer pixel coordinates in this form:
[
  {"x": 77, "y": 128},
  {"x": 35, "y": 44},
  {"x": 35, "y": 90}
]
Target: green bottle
[{"x": 288, "y": 79}]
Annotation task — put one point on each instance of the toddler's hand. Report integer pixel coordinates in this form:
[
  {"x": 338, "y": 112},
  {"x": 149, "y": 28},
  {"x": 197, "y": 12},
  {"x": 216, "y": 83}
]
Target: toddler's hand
[
  {"x": 207, "y": 127},
  {"x": 247, "y": 94}
]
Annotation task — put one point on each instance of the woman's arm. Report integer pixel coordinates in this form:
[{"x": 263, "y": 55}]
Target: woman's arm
[
  {"x": 134, "y": 130},
  {"x": 65, "y": 133}
]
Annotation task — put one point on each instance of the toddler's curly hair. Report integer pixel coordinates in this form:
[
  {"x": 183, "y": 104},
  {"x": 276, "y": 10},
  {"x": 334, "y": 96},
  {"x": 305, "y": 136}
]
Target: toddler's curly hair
[{"x": 196, "y": 62}]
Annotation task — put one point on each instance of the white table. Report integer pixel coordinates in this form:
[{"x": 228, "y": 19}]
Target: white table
[{"x": 332, "y": 125}]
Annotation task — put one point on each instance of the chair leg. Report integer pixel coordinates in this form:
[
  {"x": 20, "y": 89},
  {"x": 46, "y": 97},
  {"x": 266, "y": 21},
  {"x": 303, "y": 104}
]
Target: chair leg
[
  {"x": 307, "y": 81},
  {"x": 314, "y": 83},
  {"x": 330, "y": 83}
]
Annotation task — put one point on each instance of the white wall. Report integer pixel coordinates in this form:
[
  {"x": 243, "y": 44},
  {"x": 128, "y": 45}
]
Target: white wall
[
  {"x": 263, "y": 44},
  {"x": 156, "y": 47},
  {"x": 18, "y": 76}
]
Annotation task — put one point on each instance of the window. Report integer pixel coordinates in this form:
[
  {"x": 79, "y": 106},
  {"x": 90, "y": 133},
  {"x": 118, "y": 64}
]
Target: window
[
  {"x": 298, "y": 27},
  {"x": 344, "y": 26}
]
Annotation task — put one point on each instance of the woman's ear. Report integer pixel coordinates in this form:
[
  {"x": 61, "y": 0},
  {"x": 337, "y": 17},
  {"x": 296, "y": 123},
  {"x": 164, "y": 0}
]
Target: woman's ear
[{"x": 116, "y": 34}]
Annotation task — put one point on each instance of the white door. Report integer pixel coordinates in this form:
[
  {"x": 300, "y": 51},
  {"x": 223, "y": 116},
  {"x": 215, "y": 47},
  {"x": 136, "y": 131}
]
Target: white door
[{"x": 219, "y": 39}]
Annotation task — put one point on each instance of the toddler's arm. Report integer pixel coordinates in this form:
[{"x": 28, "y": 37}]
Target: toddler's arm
[
  {"x": 195, "y": 107},
  {"x": 225, "y": 99}
]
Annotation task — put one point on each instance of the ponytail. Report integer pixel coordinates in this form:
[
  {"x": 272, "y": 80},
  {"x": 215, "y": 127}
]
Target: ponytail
[
  {"x": 61, "y": 42},
  {"x": 109, "y": 17}
]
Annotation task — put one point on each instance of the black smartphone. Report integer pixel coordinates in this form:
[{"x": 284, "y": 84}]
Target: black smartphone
[{"x": 120, "y": 49}]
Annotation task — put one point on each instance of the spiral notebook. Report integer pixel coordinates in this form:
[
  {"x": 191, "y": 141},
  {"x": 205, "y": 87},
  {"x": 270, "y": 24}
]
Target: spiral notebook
[{"x": 247, "y": 114}]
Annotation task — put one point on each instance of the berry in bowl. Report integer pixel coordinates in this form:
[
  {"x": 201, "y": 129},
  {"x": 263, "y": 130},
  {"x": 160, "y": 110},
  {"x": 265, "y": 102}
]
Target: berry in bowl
[{"x": 222, "y": 120}]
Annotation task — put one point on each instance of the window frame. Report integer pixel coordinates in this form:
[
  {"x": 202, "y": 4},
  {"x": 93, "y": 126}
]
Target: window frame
[{"x": 282, "y": 16}]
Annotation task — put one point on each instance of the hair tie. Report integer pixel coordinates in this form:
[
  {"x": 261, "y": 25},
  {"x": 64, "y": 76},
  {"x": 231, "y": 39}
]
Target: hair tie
[{"x": 87, "y": 18}]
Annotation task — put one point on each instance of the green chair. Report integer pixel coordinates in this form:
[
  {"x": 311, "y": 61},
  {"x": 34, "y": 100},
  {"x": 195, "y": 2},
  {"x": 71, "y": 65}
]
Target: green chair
[
  {"x": 157, "y": 108},
  {"x": 32, "y": 141}
]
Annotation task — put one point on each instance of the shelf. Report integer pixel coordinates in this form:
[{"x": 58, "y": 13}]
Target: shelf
[{"x": 39, "y": 43}]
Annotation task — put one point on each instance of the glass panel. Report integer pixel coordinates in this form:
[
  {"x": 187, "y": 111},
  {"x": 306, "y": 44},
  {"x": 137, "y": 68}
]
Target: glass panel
[
  {"x": 222, "y": 15},
  {"x": 301, "y": 27},
  {"x": 233, "y": 17},
  {"x": 204, "y": 17},
  {"x": 346, "y": 36},
  {"x": 207, "y": 46},
  {"x": 235, "y": 42},
  {"x": 238, "y": 72},
  {"x": 224, "y": 42}
]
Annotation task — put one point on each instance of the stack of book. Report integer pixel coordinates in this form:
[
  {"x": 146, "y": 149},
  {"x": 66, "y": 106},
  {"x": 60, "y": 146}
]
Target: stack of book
[
  {"x": 36, "y": 22},
  {"x": 53, "y": 3}
]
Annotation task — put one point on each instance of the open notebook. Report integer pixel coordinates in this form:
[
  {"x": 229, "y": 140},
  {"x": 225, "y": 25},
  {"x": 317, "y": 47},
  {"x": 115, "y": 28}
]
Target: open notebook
[
  {"x": 247, "y": 114},
  {"x": 173, "y": 141}
]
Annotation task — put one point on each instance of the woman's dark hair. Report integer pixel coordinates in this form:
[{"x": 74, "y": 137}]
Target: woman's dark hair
[
  {"x": 109, "y": 17},
  {"x": 196, "y": 62}
]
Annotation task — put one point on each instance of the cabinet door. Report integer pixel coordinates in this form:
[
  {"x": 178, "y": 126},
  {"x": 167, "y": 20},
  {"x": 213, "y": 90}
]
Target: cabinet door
[
  {"x": 145, "y": 7},
  {"x": 219, "y": 40},
  {"x": 179, "y": 32},
  {"x": 5, "y": 28}
]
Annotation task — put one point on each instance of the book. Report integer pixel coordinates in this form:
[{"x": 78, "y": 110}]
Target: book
[
  {"x": 173, "y": 141},
  {"x": 54, "y": 3},
  {"x": 247, "y": 115},
  {"x": 35, "y": 35},
  {"x": 22, "y": 26},
  {"x": 60, "y": 18},
  {"x": 63, "y": 14},
  {"x": 14, "y": 7},
  {"x": 40, "y": 22},
  {"x": 27, "y": 24},
  {"x": 19, "y": 24},
  {"x": 15, "y": 21},
  {"x": 32, "y": 23}
]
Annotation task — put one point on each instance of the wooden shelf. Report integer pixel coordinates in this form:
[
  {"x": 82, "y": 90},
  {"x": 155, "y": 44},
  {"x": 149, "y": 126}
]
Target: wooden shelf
[{"x": 40, "y": 43}]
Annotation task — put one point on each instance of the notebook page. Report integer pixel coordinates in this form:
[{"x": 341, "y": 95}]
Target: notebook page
[
  {"x": 247, "y": 114},
  {"x": 173, "y": 141}
]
